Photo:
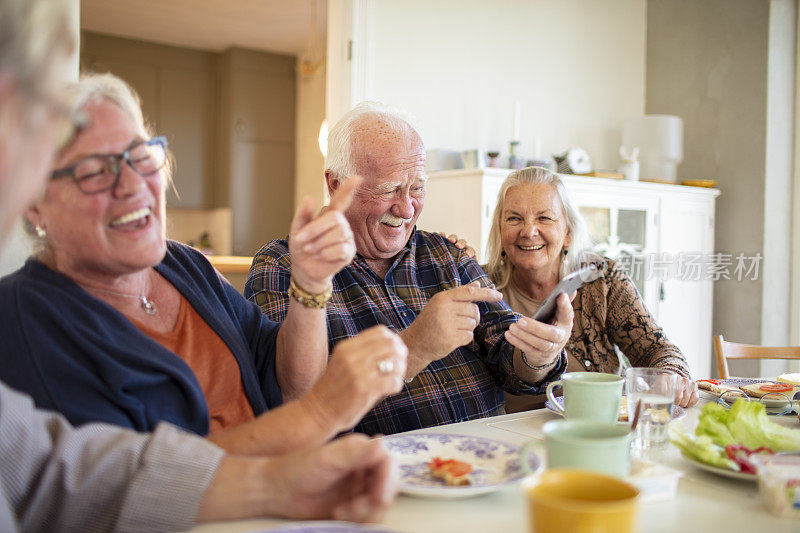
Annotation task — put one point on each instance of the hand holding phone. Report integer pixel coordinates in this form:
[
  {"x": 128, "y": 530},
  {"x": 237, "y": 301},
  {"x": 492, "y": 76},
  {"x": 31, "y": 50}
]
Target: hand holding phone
[{"x": 568, "y": 285}]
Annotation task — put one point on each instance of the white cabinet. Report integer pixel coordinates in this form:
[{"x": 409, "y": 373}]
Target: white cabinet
[{"x": 664, "y": 234}]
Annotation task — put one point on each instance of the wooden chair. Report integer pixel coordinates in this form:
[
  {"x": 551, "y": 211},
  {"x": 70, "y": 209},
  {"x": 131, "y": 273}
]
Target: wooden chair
[{"x": 725, "y": 350}]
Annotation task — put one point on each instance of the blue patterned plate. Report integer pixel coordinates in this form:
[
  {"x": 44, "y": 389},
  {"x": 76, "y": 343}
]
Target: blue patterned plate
[
  {"x": 325, "y": 527},
  {"x": 772, "y": 403},
  {"x": 678, "y": 412},
  {"x": 495, "y": 464}
]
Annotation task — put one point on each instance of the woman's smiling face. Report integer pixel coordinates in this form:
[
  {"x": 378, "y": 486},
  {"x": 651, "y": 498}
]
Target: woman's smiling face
[
  {"x": 114, "y": 232},
  {"x": 533, "y": 228}
]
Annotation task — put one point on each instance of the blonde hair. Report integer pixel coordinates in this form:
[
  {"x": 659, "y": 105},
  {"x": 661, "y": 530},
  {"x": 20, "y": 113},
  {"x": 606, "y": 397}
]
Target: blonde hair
[
  {"x": 93, "y": 87},
  {"x": 578, "y": 250}
]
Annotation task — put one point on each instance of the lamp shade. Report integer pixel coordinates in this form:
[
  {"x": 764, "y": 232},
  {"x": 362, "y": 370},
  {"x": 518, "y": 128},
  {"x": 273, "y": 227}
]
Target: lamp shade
[{"x": 660, "y": 142}]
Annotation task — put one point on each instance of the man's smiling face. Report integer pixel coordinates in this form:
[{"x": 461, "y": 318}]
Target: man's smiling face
[{"x": 388, "y": 202}]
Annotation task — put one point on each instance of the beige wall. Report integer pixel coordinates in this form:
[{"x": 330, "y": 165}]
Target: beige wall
[
  {"x": 457, "y": 66},
  {"x": 178, "y": 88},
  {"x": 735, "y": 97}
]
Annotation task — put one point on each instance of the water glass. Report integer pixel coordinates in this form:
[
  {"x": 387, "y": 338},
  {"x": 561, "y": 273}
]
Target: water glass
[{"x": 655, "y": 389}]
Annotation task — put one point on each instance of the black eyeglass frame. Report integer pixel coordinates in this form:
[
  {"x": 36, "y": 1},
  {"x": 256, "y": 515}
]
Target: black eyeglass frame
[{"x": 69, "y": 171}]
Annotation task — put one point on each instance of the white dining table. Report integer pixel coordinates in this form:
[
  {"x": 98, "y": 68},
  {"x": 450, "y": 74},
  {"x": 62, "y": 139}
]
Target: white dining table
[{"x": 705, "y": 502}]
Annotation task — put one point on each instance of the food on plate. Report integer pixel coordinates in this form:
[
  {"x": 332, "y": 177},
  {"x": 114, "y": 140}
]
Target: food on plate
[
  {"x": 757, "y": 390},
  {"x": 452, "y": 471},
  {"x": 715, "y": 386},
  {"x": 745, "y": 423},
  {"x": 793, "y": 379},
  {"x": 742, "y": 456}
]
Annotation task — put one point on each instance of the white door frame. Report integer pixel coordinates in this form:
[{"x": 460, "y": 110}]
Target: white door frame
[
  {"x": 349, "y": 56},
  {"x": 794, "y": 324}
]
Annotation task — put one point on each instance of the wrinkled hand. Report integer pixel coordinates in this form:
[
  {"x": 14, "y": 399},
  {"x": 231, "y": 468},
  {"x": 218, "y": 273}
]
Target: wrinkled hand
[
  {"x": 352, "y": 478},
  {"x": 461, "y": 244},
  {"x": 354, "y": 381},
  {"x": 447, "y": 321},
  {"x": 542, "y": 343},
  {"x": 321, "y": 246},
  {"x": 685, "y": 392}
]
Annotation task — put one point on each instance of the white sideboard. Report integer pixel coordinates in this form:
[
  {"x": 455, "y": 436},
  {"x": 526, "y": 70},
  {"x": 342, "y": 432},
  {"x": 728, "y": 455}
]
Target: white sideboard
[{"x": 659, "y": 231}]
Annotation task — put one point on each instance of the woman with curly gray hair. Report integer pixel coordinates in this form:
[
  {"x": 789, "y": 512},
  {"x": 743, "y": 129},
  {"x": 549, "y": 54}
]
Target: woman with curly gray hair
[{"x": 538, "y": 237}]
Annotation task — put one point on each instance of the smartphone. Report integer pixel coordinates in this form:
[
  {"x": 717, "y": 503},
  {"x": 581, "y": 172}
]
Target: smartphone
[{"x": 568, "y": 285}]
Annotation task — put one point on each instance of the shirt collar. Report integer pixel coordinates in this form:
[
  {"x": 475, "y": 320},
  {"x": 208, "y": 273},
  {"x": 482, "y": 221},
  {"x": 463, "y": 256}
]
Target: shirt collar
[{"x": 409, "y": 249}]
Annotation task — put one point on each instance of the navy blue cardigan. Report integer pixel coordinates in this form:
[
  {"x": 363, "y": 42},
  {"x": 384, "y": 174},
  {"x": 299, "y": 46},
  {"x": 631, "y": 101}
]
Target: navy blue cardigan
[{"x": 81, "y": 357}]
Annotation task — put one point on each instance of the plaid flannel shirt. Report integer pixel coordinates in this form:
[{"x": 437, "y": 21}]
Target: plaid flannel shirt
[{"x": 465, "y": 384}]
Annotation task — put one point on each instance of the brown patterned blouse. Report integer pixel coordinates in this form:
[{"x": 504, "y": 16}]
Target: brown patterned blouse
[{"x": 608, "y": 312}]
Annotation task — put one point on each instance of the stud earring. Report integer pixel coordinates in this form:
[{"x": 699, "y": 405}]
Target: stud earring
[
  {"x": 565, "y": 252},
  {"x": 40, "y": 231}
]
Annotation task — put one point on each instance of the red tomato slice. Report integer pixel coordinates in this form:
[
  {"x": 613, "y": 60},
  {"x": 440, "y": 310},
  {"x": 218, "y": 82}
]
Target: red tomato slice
[
  {"x": 712, "y": 381},
  {"x": 458, "y": 468},
  {"x": 454, "y": 467},
  {"x": 776, "y": 387}
]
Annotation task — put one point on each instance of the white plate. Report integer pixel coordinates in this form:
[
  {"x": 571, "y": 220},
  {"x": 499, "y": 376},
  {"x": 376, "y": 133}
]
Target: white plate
[
  {"x": 325, "y": 527},
  {"x": 720, "y": 471},
  {"x": 495, "y": 464},
  {"x": 678, "y": 412}
]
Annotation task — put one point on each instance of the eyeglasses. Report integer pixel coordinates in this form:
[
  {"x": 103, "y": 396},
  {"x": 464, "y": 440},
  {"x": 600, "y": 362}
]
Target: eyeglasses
[{"x": 101, "y": 172}]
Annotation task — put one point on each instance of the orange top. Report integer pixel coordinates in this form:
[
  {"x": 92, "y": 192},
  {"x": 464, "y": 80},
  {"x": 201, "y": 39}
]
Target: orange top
[{"x": 213, "y": 364}]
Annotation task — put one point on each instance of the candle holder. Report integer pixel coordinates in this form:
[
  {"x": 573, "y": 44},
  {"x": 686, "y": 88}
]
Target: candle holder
[{"x": 514, "y": 161}]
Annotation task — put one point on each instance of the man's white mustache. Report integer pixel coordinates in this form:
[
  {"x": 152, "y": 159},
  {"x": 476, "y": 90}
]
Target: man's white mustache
[{"x": 392, "y": 220}]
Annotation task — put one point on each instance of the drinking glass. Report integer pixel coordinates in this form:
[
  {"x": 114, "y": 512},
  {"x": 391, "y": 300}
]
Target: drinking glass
[{"x": 655, "y": 389}]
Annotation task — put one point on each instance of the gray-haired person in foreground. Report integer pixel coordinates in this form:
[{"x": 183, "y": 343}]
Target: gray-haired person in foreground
[{"x": 54, "y": 477}]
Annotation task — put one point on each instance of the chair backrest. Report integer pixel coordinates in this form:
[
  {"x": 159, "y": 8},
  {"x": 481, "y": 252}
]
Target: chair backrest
[{"x": 725, "y": 350}]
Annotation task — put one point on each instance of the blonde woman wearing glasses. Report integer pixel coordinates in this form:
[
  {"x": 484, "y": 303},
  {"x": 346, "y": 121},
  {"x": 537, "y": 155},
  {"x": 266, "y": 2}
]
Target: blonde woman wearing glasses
[{"x": 111, "y": 322}]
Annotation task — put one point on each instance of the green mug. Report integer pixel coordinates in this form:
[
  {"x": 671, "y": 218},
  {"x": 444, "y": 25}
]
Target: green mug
[
  {"x": 588, "y": 395},
  {"x": 588, "y": 445}
]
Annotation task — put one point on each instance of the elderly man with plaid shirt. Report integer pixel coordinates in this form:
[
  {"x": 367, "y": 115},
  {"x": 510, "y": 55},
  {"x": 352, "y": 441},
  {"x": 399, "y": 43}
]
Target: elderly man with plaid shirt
[{"x": 465, "y": 345}]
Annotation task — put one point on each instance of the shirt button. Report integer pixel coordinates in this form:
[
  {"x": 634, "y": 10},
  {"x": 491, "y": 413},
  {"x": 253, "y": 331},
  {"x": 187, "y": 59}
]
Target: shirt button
[
  {"x": 403, "y": 313},
  {"x": 587, "y": 364}
]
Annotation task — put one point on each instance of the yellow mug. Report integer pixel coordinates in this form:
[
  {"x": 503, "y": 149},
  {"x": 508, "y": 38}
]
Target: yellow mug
[{"x": 580, "y": 501}]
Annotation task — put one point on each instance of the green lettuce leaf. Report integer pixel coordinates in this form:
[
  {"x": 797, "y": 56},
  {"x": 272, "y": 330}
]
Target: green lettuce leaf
[
  {"x": 713, "y": 422},
  {"x": 701, "y": 448},
  {"x": 749, "y": 424}
]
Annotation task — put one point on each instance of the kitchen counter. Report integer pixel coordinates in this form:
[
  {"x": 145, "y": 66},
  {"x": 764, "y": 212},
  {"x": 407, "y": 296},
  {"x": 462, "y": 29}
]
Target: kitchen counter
[
  {"x": 233, "y": 267},
  {"x": 231, "y": 264}
]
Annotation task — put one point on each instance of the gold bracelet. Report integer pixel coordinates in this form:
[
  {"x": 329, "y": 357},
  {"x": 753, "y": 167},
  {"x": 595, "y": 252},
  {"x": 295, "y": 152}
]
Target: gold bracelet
[{"x": 309, "y": 299}]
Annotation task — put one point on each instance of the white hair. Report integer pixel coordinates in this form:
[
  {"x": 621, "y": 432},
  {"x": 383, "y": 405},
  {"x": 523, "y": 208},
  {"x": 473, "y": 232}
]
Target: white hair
[
  {"x": 36, "y": 39},
  {"x": 340, "y": 161},
  {"x": 579, "y": 249},
  {"x": 93, "y": 87}
]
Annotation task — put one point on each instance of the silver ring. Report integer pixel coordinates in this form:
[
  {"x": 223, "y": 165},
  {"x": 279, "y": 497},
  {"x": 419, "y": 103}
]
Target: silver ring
[{"x": 385, "y": 366}]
